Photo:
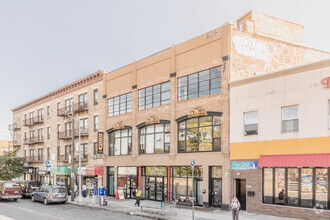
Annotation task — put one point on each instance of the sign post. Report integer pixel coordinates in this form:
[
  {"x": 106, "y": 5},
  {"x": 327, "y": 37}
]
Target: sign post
[
  {"x": 193, "y": 174},
  {"x": 47, "y": 165}
]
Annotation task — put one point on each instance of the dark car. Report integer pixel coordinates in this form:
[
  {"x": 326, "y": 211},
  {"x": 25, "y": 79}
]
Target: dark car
[
  {"x": 29, "y": 186},
  {"x": 10, "y": 190},
  {"x": 50, "y": 194}
]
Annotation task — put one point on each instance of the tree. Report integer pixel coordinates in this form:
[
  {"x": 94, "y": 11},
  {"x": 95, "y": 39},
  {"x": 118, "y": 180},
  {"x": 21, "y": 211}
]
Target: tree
[{"x": 11, "y": 166}]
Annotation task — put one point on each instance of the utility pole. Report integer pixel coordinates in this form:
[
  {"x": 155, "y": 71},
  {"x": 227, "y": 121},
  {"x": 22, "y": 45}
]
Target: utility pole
[{"x": 72, "y": 155}]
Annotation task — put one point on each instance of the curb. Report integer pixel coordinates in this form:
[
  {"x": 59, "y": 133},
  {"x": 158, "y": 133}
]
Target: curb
[{"x": 139, "y": 214}]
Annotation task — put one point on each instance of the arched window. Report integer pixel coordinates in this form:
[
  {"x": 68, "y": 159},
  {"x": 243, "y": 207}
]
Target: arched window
[
  {"x": 154, "y": 139},
  {"x": 120, "y": 142},
  {"x": 200, "y": 134}
]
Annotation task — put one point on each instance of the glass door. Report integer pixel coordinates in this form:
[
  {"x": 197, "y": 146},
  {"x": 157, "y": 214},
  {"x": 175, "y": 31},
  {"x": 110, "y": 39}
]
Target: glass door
[
  {"x": 160, "y": 188},
  {"x": 152, "y": 188},
  {"x": 216, "y": 192}
]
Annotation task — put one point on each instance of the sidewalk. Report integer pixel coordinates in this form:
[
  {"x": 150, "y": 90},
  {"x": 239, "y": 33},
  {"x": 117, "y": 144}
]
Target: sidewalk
[{"x": 153, "y": 210}]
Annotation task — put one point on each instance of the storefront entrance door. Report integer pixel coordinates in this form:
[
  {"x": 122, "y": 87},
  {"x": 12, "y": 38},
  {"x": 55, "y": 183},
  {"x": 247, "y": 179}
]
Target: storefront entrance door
[
  {"x": 155, "y": 188},
  {"x": 216, "y": 192},
  {"x": 241, "y": 192}
]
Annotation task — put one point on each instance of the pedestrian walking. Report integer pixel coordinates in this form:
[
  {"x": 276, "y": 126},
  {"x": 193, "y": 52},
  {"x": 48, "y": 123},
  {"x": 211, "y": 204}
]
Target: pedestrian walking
[
  {"x": 235, "y": 206},
  {"x": 137, "y": 197},
  {"x": 84, "y": 190},
  {"x": 75, "y": 190}
]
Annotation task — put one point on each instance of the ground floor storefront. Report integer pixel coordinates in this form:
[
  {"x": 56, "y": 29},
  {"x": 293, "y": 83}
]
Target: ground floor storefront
[
  {"x": 167, "y": 183},
  {"x": 284, "y": 185}
]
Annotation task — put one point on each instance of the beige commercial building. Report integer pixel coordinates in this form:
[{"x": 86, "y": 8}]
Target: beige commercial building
[
  {"x": 171, "y": 108},
  {"x": 42, "y": 129}
]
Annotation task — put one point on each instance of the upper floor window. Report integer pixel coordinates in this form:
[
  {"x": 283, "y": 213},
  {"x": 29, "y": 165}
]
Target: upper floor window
[
  {"x": 48, "y": 111},
  {"x": 120, "y": 142},
  {"x": 96, "y": 123},
  {"x": 58, "y": 106},
  {"x": 120, "y": 104},
  {"x": 96, "y": 148},
  {"x": 68, "y": 105},
  {"x": 48, "y": 133},
  {"x": 200, "y": 84},
  {"x": 155, "y": 139},
  {"x": 200, "y": 134},
  {"x": 250, "y": 123},
  {"x": 41, "y": 114},
  {"x": 82, "y": 99},
  {"x": 83, "y": 125},
  {"x": 290, "y": 121},
  {"x": 31, "y": 116},
  {"x": 154, "y": 95},
  {"x": 96, "y": 96}
]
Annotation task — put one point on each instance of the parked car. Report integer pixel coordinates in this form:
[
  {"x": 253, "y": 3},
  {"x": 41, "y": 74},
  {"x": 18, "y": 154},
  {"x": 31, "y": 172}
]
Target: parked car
[
  {"x": 50, "y": 194},
  {"x": 29, "y": 186},
  {"x": 10, "y": 190}
]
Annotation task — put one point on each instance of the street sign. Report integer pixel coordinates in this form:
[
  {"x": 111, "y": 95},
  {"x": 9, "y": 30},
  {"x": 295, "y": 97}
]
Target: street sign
[
  {"x": 95, "y": 192},
  {"x": 102, "y": 191},
  {"x": 192, "y": 163},
  {"x": 48, "y": 166},
  {"x": 46, "y": 162}
]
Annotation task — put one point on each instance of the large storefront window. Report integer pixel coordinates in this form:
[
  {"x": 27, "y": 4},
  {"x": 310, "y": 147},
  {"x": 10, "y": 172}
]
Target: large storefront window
[
  {"x": 182, "y": 183},
  {"x": 155, "y": 139},
  {"x": 127, "y": 180},
  {"x": 120, "y": 142},
  {"x": 200, "y": 134},
  {"x": 303, "y": 187}
]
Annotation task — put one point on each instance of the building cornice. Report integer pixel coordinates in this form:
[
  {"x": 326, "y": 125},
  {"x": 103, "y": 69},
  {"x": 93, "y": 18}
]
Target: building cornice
[{"x": 85, "y": 81}]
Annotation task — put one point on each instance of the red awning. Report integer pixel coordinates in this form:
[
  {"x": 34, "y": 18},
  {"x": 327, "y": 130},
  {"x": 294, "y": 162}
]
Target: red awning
[
  {"x": 295, "y": 160},
  {"x": 94, "y": 170}
]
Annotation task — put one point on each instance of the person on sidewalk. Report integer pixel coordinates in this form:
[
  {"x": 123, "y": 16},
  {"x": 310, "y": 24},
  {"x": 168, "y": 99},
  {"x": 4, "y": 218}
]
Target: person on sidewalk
[
  {"x": 84, "y": 190},
  {"x": 137, "y": 197},
  {"x": 75, "y": 190},
  {"x": 235, "y": 206}
]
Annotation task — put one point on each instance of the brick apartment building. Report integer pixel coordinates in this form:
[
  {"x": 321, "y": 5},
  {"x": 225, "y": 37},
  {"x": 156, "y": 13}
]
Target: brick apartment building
[
  {"x": 5, "y": 146},
  {"x": 172, "y": 107},
  {"x": 43, "y": 130}
]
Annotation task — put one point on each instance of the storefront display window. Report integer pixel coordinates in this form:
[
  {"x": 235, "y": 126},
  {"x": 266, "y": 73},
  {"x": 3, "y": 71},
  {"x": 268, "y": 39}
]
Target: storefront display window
[
  {"x": 200, "y": 134},
  {"x": 303, "y": 187},
  {"x": 268, "y": 185},
  {"x": 293, "y": 181},
  {"x": 182, "y": 183},
  {"x": 321, "y": 188},
  {"x": 155, "y": 139}
]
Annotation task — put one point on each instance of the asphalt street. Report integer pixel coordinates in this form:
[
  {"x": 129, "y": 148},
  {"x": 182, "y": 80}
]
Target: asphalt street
[{"x": 25, "y": 209}]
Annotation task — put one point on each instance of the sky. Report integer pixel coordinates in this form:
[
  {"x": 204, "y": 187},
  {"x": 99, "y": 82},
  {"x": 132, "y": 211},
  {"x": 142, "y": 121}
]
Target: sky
[{"x": 46, "y": 44}]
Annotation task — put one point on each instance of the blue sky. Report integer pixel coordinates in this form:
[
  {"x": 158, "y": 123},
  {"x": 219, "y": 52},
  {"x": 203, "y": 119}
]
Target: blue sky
[{"x": 45, "y": 44}]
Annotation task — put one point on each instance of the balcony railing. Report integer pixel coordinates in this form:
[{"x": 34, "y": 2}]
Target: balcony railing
[
  {"x": 68, "y": 133},
  {"x": 80, "y": 107},
  {"x": 33, "y": 121},
  {"x": 14, "y": 127},
  {"x": 16, "y": 143},
  {"x": 64, "y": 111},
  {"x": 36, "y": 159},
  {"x": 65, "y": 158},
  {"x": 34, "y": 140}
]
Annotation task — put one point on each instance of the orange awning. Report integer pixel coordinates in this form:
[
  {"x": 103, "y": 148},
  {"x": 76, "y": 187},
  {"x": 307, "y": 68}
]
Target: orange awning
[{"x": 295, "y": 160}]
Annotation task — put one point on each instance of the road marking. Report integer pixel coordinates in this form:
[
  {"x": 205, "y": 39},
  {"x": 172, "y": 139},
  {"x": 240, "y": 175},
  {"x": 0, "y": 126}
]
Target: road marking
[
  {"x": 2, "y": 217},
  {"x": 29, "y": 210}
]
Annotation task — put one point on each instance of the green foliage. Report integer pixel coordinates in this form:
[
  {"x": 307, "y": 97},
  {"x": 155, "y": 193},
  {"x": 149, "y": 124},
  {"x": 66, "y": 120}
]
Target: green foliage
[
  {"x": 11, "y": 166},
  {"x": 50, "y": 182}
]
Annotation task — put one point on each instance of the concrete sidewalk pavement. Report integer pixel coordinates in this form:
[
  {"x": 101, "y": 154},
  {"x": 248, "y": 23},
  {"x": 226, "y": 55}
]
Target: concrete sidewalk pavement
[{"x": 157, "y": 210}]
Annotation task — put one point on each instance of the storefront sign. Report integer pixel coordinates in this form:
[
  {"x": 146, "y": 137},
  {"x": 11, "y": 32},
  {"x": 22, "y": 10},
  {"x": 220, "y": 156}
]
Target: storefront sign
[
  {"x": 127, "y": 171},
  {"x": 28, "y": 170},
  {"x": 100, "y": 141},
  {"x": 244, "y": 165},
  {"x": 156, "y": 171},
  {"x": 120, "y": 193},
  {"x": 326, "y": 82},
  {"x": 42, "y": 173}
]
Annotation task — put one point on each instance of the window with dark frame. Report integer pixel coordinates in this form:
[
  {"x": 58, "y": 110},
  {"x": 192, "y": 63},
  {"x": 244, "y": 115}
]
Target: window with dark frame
[
  {"x": 96, "y": 96},
  {"x": 40, "y": 154},
  {"x": 48, "y": 153},
  {"x": 82, "y": 99},
  {"x": 120, "y": 104},
  {"x": 96, "y": 147},
  {"x": 250, "y": 123},
  {"x": 48, "y": 133},
  {"x": 155, "y": 95},
  {"x": 84, "y": 152},
  {"x": 290, "y": 122},
  {"x": 154, "y": 139},
  {"x": 48, "y": 111},
  {"x": 200, "y": 134},
  {"x": 120, "y": 142},
  {"x": 301, "y": 187},
  {"x": 207, "y": 82}
]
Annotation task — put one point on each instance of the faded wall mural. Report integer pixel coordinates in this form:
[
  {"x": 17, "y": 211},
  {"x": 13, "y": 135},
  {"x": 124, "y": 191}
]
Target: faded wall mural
[{"x": 254, "y": 55}]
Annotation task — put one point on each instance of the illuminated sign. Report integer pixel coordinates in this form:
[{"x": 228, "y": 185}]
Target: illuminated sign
[
  {"x": 326, "y": 82},
  {"x": 100, "y": 141}
]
